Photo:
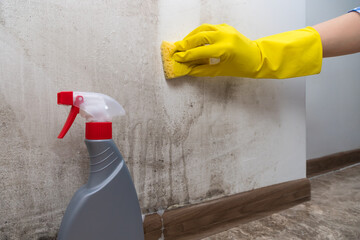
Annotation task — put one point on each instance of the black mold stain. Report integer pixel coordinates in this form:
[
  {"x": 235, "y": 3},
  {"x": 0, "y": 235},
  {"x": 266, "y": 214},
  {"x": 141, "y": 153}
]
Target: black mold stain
[
  {"x": 12, "y": 150},
  {"x": 48, "y": 237},
  {"x": 186, "y": 181},
  {"x": 171, "y": 200},
  {"x": 2, "y": 20},
  {"x": 134, "y": 135},
  {"x": 214, "y": 192}
]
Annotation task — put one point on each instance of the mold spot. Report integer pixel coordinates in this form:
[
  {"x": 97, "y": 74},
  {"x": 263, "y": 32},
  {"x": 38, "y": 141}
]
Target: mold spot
[
  {"x": 2, "y": 20},
  {"x": 47, "y": 237},
  {"x": 214, "y": 192}
]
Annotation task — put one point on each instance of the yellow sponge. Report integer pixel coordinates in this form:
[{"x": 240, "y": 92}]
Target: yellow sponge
[{"x": 172, "y": 69}]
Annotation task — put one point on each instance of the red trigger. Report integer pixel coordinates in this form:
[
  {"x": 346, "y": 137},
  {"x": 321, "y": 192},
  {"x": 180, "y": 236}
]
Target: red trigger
[{"x": 72, "y": 115}]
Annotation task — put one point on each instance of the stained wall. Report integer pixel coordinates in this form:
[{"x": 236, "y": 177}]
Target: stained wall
[{"x": 185, "y": 141}]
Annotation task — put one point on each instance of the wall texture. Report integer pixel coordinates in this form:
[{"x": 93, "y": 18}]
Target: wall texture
[
  {"x": 185, "y": 141},
  {"x": 332, "y": 98}
]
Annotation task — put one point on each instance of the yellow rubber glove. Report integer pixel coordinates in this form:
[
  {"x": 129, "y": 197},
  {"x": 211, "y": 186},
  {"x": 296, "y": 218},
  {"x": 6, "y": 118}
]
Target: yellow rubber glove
[{"x": 285, "y": 55}]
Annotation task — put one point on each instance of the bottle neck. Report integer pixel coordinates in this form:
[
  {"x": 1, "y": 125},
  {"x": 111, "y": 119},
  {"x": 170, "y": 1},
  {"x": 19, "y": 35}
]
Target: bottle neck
[
  {"x": 98, "y": 130},
  {"x": 105, "y": 160}
]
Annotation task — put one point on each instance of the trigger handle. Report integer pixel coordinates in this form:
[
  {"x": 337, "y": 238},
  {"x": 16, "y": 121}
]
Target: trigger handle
[
  {"x": 66, "y": 98},
  {"x": 69, "y": 121}
]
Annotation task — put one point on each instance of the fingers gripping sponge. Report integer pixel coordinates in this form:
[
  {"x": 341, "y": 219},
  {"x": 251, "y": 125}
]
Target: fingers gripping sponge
[{"x": 172, "y": 69}]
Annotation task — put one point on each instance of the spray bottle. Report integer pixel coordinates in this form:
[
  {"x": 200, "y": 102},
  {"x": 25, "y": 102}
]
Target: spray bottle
[{"x": 106, "y": 207}]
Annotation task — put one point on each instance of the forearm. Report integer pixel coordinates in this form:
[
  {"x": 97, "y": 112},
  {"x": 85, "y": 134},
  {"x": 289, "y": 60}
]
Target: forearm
[{"x": 341, "y": 35}]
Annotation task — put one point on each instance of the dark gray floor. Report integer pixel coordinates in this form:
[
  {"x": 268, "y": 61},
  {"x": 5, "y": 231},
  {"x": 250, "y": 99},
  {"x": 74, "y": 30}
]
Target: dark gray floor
[{"x": 332, "y": 213}]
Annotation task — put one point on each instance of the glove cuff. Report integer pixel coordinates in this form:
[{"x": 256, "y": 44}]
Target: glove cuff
[{"x": 290, "y": 54}]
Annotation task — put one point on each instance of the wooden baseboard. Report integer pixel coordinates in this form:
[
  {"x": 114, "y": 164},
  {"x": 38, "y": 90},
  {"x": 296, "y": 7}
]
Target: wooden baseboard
[
  {"x": 205, "y": 219},
  {"x": 332, "y": 162}
]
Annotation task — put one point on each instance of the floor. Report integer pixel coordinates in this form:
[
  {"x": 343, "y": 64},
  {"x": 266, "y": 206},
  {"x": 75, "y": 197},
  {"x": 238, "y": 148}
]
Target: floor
[{"x": 332, "y": 213}]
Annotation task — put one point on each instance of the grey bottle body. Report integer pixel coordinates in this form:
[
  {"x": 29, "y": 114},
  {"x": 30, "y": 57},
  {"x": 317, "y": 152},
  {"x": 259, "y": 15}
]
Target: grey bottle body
[{"x": 107, "y": 206}]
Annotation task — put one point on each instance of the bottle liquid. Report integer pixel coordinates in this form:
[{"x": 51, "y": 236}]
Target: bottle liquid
[{"x": 107, "y": 206}]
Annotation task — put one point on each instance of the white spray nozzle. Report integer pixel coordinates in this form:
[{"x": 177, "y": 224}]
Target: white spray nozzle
[{"x": 97, "y": 107}]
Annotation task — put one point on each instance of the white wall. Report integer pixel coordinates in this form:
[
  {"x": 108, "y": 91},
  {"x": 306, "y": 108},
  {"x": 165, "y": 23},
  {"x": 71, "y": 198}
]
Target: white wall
[
  {"x": 185, "y": 141},
  {"x": 333, "y": 97}
]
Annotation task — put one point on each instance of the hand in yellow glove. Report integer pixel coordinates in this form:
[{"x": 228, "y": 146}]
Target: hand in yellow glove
[{"x": 289, "y": 54}]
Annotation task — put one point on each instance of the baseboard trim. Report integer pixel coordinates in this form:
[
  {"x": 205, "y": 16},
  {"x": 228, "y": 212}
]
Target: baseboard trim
[
  {"x": 205, "y": 219},
  {"x": 318, "y": 166}
]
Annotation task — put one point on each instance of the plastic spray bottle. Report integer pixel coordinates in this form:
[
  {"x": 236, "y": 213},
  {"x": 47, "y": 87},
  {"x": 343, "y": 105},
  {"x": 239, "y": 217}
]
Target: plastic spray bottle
[{"x": 106, "y": 207}]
